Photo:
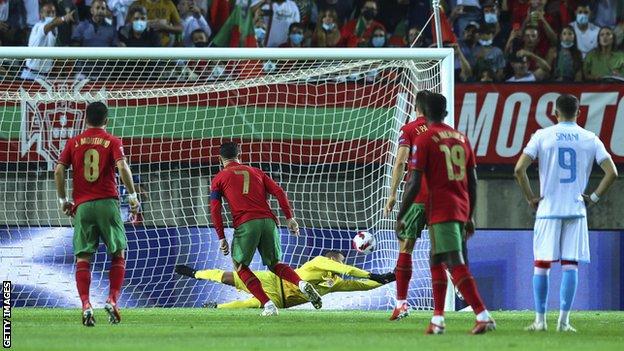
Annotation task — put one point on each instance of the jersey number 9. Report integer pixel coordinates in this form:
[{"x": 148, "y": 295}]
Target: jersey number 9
[
  {"x": 567, "y": 162},
  {"x": 454, "y": 156}
]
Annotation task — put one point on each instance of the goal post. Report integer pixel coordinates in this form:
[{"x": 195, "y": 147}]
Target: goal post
[{"x": 324, "y": 123}]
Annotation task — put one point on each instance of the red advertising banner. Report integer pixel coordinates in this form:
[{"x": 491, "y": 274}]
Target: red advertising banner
[{"x": 499, "y": 119}]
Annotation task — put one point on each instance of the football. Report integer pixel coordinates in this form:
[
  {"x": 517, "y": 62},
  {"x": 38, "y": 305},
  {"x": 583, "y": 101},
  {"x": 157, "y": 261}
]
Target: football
[{"x": 364, "y": 242}]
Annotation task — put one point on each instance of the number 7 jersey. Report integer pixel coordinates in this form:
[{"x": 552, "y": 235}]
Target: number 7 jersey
[
  {"x": 444, "y": 156},
  {"x": 566, "y": 153},
  {"x": 92, "y": 155}
]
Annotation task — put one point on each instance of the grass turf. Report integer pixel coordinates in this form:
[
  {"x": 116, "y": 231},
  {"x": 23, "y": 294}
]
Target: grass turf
[{"x": 207, "y": 329}]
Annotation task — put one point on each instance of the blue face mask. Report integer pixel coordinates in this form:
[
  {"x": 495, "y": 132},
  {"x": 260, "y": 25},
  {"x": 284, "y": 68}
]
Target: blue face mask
[
  {"x": 582, "y": 18},
  {"x": 378, "y": 42},
  {"x": 490, "y": 18},
  {"x": 296, "y": 38},
  {"x": 328, "y": 27},
  {"x": 139, "y": 26},
  {"x": 260, "y": 32}
]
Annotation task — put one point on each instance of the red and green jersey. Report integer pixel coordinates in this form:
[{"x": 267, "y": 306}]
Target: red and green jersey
[
  {"x": 409, "y": 134},
  {"x": 445, "y": 157},
  {"x": 93, "y": 155},
  {"x": 245, "y": 188}
]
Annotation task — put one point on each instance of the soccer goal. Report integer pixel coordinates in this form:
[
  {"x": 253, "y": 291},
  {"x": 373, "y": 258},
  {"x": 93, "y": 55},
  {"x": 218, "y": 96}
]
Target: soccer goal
[{"x": 323, "y": 123}]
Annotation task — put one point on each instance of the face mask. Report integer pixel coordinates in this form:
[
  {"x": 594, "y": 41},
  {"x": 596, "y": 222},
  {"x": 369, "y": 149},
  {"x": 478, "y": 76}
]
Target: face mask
[
  {"x": 48, "y": 20},
  {"x": 582, "y": 18},
  {"x": 485, "y": 42},
  {"x": 490, "y": 18},
  {"x": 296, "y": 38},
  {"x": 139, "y": 26},
  {"x": 201, "y": 44},
  {"x": 378, "y": 42},
  {"x": 260, "y": 32},
  {"x": 368, "y": 14},
  {"x": 108, "y": 21},
  {"x": 328, "y": 27},
  {"x": 567, "y": 44}
]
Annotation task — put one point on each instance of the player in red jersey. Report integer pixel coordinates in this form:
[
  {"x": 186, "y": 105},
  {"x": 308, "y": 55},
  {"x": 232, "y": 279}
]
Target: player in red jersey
[
  {"x": 445, "y": 159},
  {"x": 415, "y": 218},
  {"x": 93, "y": 155},
  {"x": 246, "y": 188}
]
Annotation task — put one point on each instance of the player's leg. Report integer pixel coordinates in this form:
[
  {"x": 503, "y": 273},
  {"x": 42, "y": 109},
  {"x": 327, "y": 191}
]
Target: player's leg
[
  {"x": 546, "y": 249},
  {"x": 244, "y": 244},
  {"x": 85, "y": 243},
  {"x": 448, "y": 243},
  {"x": 271, "y": 252},
  {"x": 215, "y": 275},
  {"x": 414, "y": 224},
  {"x": 114, "y": 236},
  {"x": 574, "y": 248}
]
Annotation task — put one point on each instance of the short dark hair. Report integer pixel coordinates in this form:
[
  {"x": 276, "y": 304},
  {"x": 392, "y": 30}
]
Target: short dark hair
[
  {"x": 330, "y": 253},
  {"x": 295, "y": 25},
  {"x": 435, "y": 108},
  {"x": 97, "y": 114},
  {"x": 46, "y": 3},
  {"x": 134, "y": 9},
  {"x": 229, "y": 150},
  {"x": 421, "y": 99},
  {"x": 567, "y": 105}
]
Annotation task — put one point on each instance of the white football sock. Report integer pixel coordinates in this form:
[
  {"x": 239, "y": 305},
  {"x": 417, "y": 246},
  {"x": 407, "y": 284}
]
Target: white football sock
[
  {"x": 437, "y": 320},
  {"x": 540, "y": 318},
  {"x": 564, "y": 317},
  {"x": 400, "y": 303},
  {"x": 484, "y": 316}
]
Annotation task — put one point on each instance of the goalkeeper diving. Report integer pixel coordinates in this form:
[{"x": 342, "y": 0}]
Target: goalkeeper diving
[{"x": 323, "y": 272}]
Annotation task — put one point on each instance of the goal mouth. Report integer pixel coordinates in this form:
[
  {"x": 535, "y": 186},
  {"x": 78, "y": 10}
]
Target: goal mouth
[{"x": 323, "y": 123}]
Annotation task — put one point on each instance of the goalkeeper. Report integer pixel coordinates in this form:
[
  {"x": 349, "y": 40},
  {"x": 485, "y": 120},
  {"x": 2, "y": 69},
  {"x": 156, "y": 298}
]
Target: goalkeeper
[{"x": 322, "y": 271}]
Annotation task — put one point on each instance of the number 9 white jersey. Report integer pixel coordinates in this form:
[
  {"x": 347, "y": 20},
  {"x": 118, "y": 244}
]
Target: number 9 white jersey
[{"x": 566, "y": 153}]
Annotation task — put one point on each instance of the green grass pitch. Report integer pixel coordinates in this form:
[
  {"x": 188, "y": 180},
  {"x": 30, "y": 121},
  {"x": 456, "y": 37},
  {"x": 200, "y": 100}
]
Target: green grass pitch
[{"x": 205, "y": 329}]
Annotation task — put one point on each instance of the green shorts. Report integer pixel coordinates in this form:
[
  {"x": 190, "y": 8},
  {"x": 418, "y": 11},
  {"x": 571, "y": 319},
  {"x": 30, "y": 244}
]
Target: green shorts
[
  {"x": 415, "y": 221},
  {"x": 446, "y": 237},
  {"x": 99, "y": 219},
  {"x": 258, "y": 234}
]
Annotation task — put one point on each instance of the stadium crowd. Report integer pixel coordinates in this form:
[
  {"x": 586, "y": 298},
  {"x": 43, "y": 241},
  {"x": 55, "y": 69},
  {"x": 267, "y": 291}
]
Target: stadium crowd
[{"x": 494, "y": 41}]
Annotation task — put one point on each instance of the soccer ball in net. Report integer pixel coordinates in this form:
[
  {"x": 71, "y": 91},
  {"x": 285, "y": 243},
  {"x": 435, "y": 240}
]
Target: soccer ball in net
[{"x": 364, "y": 242}]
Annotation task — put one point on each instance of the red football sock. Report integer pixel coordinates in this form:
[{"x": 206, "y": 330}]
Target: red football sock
[
  {"x": 116, "y": 277},
  {"x": 403, "y": 272},
  {"x": 253, "y": 284},
  {"x": 438, "y": 283},
  {"x": 83, "y": 281},
  {"x": 285, "y": 272},
  {"x": 468, "y": 287}
]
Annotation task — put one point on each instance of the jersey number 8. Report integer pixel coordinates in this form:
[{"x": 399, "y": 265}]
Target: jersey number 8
[{"x": 91, "y": 165}]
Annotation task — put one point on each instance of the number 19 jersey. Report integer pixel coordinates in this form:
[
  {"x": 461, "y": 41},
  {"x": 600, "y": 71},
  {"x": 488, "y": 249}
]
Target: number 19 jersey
[
  {"x": 565, "y": 153},
  {"x": 92, "y": 155}
]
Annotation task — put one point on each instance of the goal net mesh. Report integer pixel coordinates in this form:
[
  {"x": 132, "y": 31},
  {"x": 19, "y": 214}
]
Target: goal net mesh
[{"x": 325, "y": 130}]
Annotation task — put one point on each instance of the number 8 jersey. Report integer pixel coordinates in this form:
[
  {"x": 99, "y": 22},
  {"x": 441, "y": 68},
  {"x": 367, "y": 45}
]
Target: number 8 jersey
[
  {"x": 444, "y": 156},
  {"x": 565, "y": 153},
  {"x": 93, "y": 155}
]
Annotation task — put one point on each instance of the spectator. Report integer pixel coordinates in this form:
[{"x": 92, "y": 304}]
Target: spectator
[
  {"x": 192, "y": 20},
  {"x": 295, "y": 36},
  {"x": 565, "y": 59},
  {"x": 542, "y": 68},
  {"x": 306, "y": 9},
  {"x": 32, "y": 9},
  {"x": 604, "y": 62},
  {"x": 260, "y": 29},
  {"x": 327, "y": 33},
  {"x": 487, "y": 56},
  {"x": 487, "y": 76},
  {"x": 416, "y": 17},
  {"x": 44, "y": 34},
  {"x": 282, "y": 14},
  {"x": 95, "y": 32},
  {"x": 16, "y": 21},
  {"x": 463, "y": 13},
  {"x": 586, "y": 32},
  {"x": 521, "y": 72},
  {"x": 119, "y": 10},
  {"x": 199, "y": 38},
  {"x": 491, "y": 17},
  {"x": 530, "y": 43},
  {"x": 6, "y": 32},
  {"x": 359, "y": 31},
  {"x": 136, "y": 32},
  {"x": 343, "y": 8},
  {"x": 468, "y": 42},
  {"x": 463, "y": 69},
  {"x": 163, "y": 17},
  {"x": 547, "y": 25},
  {"x": 378, "y": 39},
  {"x": 415, "y": 38}
]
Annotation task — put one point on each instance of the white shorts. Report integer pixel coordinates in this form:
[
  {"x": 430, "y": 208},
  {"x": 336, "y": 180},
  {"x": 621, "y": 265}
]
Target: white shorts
[{"x": 561, "y": 239}]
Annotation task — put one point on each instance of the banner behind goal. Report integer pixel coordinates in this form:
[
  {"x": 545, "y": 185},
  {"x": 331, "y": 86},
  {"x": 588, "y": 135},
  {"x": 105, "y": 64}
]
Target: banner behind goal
[{"x": 323, "y": 123}]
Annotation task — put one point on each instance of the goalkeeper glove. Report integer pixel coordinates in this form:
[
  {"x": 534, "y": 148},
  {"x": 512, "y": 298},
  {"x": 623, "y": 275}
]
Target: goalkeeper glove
[{"x": 383, "y": 278}]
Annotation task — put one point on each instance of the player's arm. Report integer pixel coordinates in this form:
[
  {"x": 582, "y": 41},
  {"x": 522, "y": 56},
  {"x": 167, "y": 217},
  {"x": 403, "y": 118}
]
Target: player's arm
[
  {"x": 327, "y": 264},
  {"x": 59, "y": 179},
  {"x": 472, "y": 198},
  {"x": 520, "y": 172},
  {"x": 398, "y": 173},
  {"x": 126, "y": 178},
  {"x": 610, "y": 174},
  {"x": 412, "y": 188},
  {"x": 249, "y": 303},
  {"x": 274, "y": 189},
  {"x": 215, "y": 215}
]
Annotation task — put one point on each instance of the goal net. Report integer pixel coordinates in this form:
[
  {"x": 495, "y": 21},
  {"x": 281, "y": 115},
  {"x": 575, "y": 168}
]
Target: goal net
[{"x": 323, "y": 123}]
